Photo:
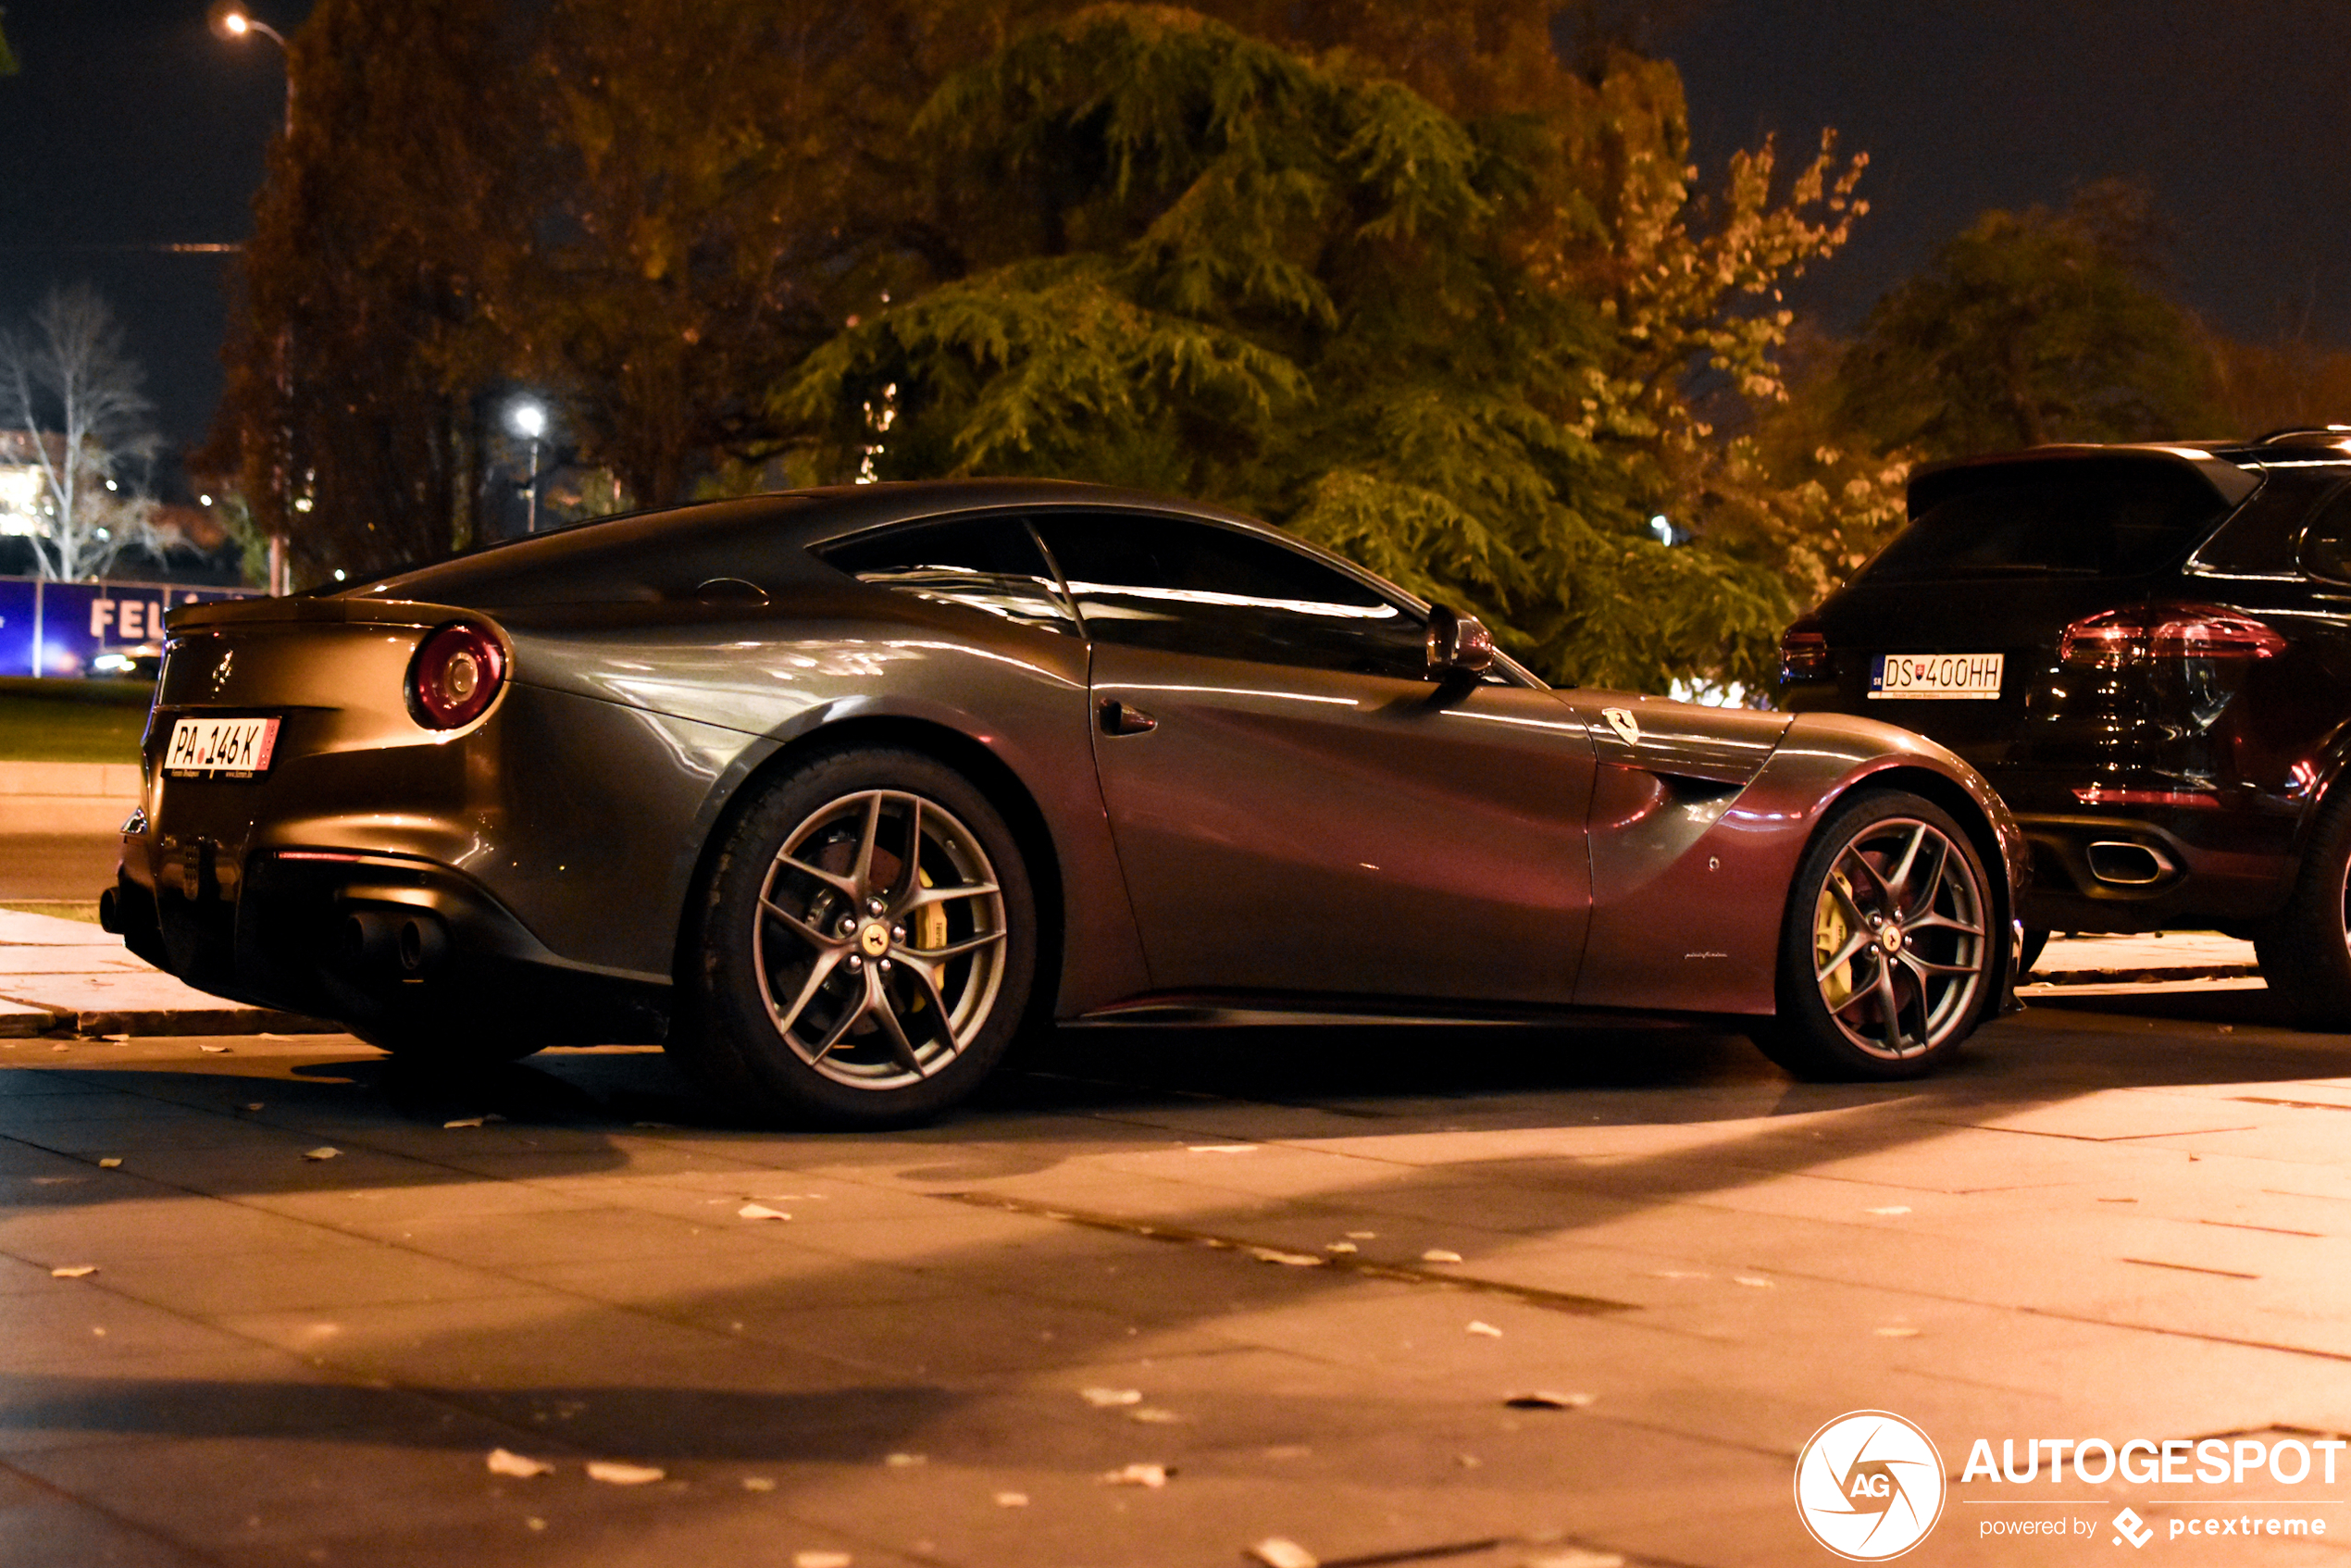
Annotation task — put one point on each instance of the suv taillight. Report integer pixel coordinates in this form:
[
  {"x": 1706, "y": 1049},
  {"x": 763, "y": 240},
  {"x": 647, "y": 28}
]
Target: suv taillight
[
  {"x": 1804, "y": 653},
  {"x": 456, "y": 675},
  {"x": 2116, "y": 639}
]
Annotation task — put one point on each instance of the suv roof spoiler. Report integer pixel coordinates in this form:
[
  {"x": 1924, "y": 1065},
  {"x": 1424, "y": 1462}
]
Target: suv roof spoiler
[{"x": 2230, "y": 481}]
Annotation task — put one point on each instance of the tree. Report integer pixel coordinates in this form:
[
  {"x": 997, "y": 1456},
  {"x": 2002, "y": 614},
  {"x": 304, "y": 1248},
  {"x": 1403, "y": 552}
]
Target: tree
[
  {"x": 2031, "y": 328},
  {"x": 352, "y": 407},
  {"x": 1451, "y": 349},
  {"x": 72, "y": 386}
]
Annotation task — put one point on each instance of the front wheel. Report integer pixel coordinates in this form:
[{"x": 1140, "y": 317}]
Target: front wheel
[
  {"x": 1886, "y": 957},
  {"x": 863, "y": 947}
]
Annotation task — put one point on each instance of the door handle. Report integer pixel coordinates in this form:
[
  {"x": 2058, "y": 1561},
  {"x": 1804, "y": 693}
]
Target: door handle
[{"x": 1125, "y": 719}]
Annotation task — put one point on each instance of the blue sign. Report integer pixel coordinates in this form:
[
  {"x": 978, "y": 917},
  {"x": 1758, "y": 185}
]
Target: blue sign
[{"x": 55, "y": 628}]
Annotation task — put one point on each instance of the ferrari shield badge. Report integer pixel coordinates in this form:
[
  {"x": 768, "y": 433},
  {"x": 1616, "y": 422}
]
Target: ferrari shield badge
[{"x": 1627, "y": 727}]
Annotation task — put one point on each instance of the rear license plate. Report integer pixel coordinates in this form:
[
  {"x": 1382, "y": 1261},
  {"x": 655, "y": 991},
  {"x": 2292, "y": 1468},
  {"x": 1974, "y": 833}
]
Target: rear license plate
[
  {"x": 219, "y": 748},
  {"x": 1937, "y": 674}
]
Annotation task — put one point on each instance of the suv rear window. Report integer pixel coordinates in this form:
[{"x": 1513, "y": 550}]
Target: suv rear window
[{"x": 2079, "y": 518}]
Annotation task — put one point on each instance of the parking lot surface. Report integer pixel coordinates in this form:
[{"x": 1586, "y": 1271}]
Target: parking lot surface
[{"x": 1458, "y": 1296}]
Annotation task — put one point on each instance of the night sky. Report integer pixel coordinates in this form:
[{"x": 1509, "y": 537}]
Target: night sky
[{"x": 132, "y": 128}]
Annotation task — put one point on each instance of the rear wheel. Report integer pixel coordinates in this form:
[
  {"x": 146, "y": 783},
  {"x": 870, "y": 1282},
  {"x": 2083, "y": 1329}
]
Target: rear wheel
[
  {"x": 863, "y": 947},
  {"x": 2306, "y": 952},
  {"x": 1886, "y": 962}
]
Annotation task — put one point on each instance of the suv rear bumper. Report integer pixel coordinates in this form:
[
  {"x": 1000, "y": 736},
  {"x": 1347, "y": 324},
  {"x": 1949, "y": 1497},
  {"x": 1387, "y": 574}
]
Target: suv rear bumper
[{"x": 2159, "y": 870}]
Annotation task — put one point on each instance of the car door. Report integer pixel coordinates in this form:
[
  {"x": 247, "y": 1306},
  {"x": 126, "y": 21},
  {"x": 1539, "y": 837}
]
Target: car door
[{"x": 1297, "y": 808}]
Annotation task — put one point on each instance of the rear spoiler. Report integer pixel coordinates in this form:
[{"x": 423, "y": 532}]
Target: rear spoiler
[{"x": 2229, "y": 482}]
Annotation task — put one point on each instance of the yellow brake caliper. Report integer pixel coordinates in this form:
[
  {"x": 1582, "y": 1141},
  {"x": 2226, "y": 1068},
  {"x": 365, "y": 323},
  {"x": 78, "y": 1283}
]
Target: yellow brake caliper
[{"x": 1830, "y": 933}]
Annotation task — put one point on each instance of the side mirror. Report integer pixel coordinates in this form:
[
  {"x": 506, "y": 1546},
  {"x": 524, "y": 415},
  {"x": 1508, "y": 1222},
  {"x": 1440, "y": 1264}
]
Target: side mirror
[{"x": 1457, "y": 644}]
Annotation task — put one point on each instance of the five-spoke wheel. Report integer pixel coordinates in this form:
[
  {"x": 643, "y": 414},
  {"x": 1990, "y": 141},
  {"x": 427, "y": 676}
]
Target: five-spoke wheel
[
  {"x": 866, "y": 945},
  {"x": 1887, "y": 963}
]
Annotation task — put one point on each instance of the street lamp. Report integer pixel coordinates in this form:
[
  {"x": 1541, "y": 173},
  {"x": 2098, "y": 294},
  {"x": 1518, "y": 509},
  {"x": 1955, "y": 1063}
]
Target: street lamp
[
  {"x": 527, "y": 416},
  {"x": 230, "y": 19}
]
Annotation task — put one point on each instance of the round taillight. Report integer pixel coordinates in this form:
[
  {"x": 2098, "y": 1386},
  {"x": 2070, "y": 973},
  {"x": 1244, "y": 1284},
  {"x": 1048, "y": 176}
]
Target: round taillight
[{"x": 456, "y": 675}]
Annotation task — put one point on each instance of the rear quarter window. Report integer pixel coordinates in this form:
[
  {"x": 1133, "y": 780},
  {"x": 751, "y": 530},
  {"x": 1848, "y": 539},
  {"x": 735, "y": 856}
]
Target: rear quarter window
[{"x": 2081, "y": 518}]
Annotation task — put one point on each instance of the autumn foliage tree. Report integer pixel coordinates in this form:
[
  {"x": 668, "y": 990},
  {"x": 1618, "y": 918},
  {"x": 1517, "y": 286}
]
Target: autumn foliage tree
[{"x": 1451, "y": 348}]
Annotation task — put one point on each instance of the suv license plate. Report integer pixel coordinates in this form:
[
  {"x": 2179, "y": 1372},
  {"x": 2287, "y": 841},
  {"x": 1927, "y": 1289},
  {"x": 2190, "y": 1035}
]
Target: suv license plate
[
  {"x": 1937, "y": 674},
  {"x": 219, "y": 748}
]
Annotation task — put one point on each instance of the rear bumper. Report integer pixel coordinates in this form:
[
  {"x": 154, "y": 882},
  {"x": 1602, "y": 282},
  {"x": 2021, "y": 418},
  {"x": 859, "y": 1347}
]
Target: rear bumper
[
  {"x": 388, "y": 945},
  {"x": 2109, "y": 871}
]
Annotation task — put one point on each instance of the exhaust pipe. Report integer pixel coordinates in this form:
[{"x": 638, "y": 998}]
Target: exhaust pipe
[
  {"x": 2128, "y": 865},
  {"x": 423, "y": 943}
]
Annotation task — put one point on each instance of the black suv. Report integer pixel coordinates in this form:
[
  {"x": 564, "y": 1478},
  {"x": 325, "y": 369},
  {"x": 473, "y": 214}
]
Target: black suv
[{"x": 2147, "y": 651}]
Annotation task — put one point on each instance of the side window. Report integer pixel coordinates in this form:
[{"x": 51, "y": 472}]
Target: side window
[
  {"x": 1194, "y": 588},
  {"x": 2260, "y": 540},
  {"x": 2326, "y": 545},
  {"x": 990, "y": 564}
]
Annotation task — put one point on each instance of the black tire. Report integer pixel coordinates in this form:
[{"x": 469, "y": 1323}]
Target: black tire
[
  {"x": 2036, "y": 939},
  {"x": 1887, "y": 950},
  {"x": 830, "y": 977},
  {"x": 2305, "y": 950}
]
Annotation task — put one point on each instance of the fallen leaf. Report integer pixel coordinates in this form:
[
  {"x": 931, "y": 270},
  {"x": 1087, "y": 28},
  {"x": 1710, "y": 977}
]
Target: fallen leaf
[
  {"x": 1754, "y": 1281},
  {"x": 461, "y": 1122},
  {"x": 1468, "y": 1460},
  {"x": 321, "y": 1152},
  {"x": 760, "y": 1212},
  {"x": 1294, "y": 1260},
  {"x": 759, "y": 1484},
  {"x": 1576, "y": 1557},
  {"x": 1543, "y": 1399},
  {"x": 114, "y": 1037},
  {"x": 906, "y": 1461},
  {"x": 111, "y": 1161},
  {"x": 1439, "y": 1255},
  {"x": 1104, "y": 1398},
  {"x": 1279, "y": 1551},
  {"x": 1893, "y": 1208},
  {"x": 1897, "y": 1331},
  {"x": 1151, "y": 1416},
  {"x": 1152, "y": 1476},
  {"x": 820, "y": 1560},
  {"x": 614, "y": 1473},
  {"x": 1011, "y": 1500},
  {"x": 212, "y": 1050},
  {"x": 79, "y": 1271},
  {"x": 1678, "y": 1274},
  {"x": 505, "y": 1461},
  {"x": 1338, "y": 1247},
  {"x": 253, "y": 1105},
  {"x": 1486, "y": 1328},
  {"x": 535, "y": 1523},
  {"x": 1362, "y": 1235},
  {"x": 61, "y": 1048}
]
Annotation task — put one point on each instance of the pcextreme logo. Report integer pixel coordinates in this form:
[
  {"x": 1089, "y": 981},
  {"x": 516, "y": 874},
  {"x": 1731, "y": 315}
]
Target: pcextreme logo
[{"x": 1869, "y": 1486}]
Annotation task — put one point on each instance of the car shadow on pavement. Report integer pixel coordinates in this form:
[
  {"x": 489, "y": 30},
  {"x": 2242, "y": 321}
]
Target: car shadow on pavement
[{"x": 844, "y": 1351}]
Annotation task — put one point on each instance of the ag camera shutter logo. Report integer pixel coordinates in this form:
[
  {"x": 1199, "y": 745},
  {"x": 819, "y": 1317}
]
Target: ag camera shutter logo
[{"x": 1869, "y": 1486}]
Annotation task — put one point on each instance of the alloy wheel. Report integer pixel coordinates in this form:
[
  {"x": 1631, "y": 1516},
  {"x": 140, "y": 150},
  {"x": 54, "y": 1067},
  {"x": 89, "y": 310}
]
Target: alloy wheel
[
  {"x": 880, "y": 939},
  {"x": 1900, "y": 949}
]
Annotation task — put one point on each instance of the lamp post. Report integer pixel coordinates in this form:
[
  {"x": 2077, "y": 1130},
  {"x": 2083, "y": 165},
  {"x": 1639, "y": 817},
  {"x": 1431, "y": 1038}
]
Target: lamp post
[
  {"x": 230, "y": 19},
  {"x": 527, "y": 416}
]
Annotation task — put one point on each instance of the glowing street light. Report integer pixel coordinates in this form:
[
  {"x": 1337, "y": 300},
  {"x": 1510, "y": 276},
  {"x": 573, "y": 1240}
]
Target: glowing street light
[
  {"x": 527, "y": 416},
  {"x": 230, "y": 19}
]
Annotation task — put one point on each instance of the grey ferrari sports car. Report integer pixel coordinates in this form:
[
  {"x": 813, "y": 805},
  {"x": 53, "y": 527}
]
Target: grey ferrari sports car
[{"x": 835, "y": 793}]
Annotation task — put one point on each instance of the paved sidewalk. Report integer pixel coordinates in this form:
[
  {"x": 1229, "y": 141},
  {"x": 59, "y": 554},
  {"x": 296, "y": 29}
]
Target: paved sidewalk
[{"x": 67, "y": 976}]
